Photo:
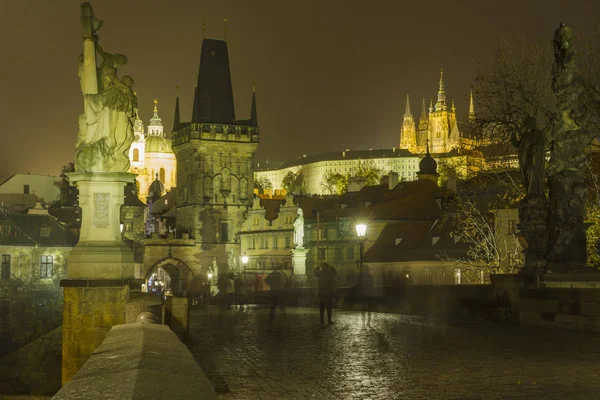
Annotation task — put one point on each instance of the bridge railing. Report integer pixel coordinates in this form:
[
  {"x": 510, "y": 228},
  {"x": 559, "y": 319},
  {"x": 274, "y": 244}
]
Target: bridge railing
[{"x": 139, "y": 361}]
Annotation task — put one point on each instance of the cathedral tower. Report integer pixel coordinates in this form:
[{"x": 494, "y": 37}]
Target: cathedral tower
[
  {"x": 215, "y": 154},
  {"x": 408, "y": 136},
  {"x": 442, "y": 131}
]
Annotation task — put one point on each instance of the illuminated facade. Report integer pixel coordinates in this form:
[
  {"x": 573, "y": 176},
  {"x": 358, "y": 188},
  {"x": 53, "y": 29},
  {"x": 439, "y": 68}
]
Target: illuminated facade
[
  {"x": 437, "y": 124},
  {"x": 151, "y": 156}
]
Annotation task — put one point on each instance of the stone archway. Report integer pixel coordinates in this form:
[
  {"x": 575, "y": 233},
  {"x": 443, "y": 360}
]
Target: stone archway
[{"x": 179, "y": 273}]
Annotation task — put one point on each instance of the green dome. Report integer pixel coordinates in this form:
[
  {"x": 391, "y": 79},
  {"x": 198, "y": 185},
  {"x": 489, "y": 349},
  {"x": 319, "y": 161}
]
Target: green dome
[{"x": 158, "y": 144}]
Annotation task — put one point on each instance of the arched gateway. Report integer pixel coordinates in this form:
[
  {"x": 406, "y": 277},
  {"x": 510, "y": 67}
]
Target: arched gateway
[{"x": 172, "y": 274}]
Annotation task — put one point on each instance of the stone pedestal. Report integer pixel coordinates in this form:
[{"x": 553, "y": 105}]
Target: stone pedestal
[
  {"x": 177, "y": 314},
  {"x": 101, "y": 252},
  {"x": 99, "y": 271},
  {"x": 299, "y": 279}
]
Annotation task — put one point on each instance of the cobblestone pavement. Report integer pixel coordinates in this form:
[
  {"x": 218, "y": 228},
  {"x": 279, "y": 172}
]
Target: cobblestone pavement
[{"x": 399, "y": 357}]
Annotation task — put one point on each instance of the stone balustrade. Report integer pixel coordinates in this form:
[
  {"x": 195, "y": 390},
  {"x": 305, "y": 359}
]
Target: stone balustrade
[{"x": 139, "y": 361}]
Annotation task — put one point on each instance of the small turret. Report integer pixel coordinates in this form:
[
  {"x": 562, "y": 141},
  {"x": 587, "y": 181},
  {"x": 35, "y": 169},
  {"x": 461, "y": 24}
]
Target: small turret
[{"x": 155, "y": 127}]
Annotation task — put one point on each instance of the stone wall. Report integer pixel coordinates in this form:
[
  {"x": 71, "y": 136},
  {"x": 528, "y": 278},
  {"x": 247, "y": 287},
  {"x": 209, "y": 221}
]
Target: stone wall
[
  {"x": 89, "y": 313},
  {"x": 574, "y": 309},
  {"x": 139, "y": 361}
]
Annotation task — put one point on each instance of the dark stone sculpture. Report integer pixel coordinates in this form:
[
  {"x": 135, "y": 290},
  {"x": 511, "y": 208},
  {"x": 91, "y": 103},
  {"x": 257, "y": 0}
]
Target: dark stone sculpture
[{"x": 569, "y": 157}]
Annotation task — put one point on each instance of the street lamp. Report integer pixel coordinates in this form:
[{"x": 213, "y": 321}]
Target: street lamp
[
  {"x": 244, "y": 263},
  {"x": 361, "y": 232}
]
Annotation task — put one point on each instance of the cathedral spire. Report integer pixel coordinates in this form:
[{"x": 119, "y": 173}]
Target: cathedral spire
[
  {"x": 176, "y": 119},
  {"x": 471, "y": 108},
  {"x": 441, "y": 100},
  {"x": 253, "y": 114},
  {"x": 423, "y": 118},
  {"x": 407, "y": 110}
]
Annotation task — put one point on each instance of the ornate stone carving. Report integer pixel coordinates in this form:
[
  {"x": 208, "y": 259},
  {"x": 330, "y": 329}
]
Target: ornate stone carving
[
  {"x": 568, "y": 160},
  {"x": 101, "y": 210},
  {"x": 106, "y": 125}
]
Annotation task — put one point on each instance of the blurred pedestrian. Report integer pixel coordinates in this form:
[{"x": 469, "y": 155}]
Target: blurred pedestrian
[
  {"x": 276, "y": 281},
  {"x": 326, "y": 275},
  {"x": 366, "y": 292},
  {"x": 241, "y": 292},
  {"x": 229, "y": 290}
]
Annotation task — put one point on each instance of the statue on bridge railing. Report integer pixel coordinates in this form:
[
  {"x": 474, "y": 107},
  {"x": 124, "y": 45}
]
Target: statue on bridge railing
[{"x": 106, "y": 125}]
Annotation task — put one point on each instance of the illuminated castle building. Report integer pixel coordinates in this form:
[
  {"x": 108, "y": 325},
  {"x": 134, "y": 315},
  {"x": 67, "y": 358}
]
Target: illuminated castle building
[
  {"x": 438, "y": 124},
  {"x": 151, "y": 156}
]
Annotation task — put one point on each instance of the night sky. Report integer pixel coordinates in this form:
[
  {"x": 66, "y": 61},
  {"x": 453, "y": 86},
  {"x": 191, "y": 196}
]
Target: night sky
[{"x": 330, "y": 74}]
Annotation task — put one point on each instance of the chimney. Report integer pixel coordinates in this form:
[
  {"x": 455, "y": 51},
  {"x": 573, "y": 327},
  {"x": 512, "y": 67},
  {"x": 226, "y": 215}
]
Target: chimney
[
  {"x": 356, "y": 183},
  {"x": 392, "y": 180}
]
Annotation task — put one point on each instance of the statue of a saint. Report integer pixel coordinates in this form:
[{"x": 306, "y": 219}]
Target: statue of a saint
[
  {"x": 106, "y": 125},
  {"x": 299, "y": 230}
]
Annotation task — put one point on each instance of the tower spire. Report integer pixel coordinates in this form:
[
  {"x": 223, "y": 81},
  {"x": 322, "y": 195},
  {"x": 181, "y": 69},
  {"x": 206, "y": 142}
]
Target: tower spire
[
  {"x": 253, "y": 113},
  {"x": 441, "y": 100},
  {"x": 225, "y": 29},
  {"x": 423, "y": 118},
  {"x": 203, "y": 29},
  {"x": 407, "y": 110},
  {"x": 155, "y": 108},
  {"x": 471, "y": 108},
  {"x": 176, "y": 119}
]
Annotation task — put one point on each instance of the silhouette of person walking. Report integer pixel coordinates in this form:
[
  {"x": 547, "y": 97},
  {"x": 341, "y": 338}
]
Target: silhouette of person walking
[
  {"x": 326, "y": 275},
  {"x": 276, "y": 281},
  {"x": 366, "y": 292}
]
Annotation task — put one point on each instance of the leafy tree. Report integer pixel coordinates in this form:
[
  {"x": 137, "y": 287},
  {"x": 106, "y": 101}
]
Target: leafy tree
[
  {"x": 263, "y": 185},
  {"x": 335, "y": 183},
  {"x": 368, "y": 170},
  {"x": 289, "y": 181},
  {"x": 35, "y": 308}
]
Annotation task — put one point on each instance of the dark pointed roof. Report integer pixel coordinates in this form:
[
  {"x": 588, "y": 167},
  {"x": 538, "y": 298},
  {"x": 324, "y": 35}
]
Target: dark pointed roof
[
  {"x": 213, "y": 100},
  {"x": 176, "y": 119},
  {"x": 427, "y": 165},
  {"x": 253, "y": 114}
]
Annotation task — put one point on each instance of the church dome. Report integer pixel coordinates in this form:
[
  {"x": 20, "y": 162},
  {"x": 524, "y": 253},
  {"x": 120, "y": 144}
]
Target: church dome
[
  {"x": 156, "y": 188},
  {"x": 427, "y": 165},
  {"x": 158, "y": 144}
]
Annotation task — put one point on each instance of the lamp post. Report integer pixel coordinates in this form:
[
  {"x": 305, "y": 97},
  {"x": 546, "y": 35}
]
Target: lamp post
[{"x": 361, "y": 232}]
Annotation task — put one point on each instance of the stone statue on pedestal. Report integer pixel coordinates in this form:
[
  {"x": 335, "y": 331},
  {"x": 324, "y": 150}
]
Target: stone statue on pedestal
[
  {"x": 299, "y": 229},
  {"x": 106, "y": 125}
]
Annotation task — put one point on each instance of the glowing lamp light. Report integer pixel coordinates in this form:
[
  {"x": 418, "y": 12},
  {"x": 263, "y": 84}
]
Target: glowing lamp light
[
  {"x": 121, "y": 227},
  {"x": 361, "y": 230},
  {"x": 244, "y": 260},
  {"x": 210, "y": 275}
]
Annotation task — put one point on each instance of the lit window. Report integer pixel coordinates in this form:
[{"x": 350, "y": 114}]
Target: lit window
[
  {"x": 6, "y": 230},
  {"x": 45, "y": 231},
  {"x": 46, "y": 266}
]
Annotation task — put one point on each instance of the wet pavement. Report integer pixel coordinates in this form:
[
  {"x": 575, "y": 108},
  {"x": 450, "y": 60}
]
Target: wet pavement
[{"x": 246, "y": 356}]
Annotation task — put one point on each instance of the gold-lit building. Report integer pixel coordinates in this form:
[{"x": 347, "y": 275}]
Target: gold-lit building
[
  {"x": 437, "y": 126},
  {"x": 151, "y": 156}
]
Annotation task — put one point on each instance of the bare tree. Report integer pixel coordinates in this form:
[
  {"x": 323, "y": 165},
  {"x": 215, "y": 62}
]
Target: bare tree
[{"x": 524, "y": 98}]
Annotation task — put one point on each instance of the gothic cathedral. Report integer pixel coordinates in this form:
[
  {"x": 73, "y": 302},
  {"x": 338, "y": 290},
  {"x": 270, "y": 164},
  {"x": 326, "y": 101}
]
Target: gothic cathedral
[{"x": 437, "y": 128}]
